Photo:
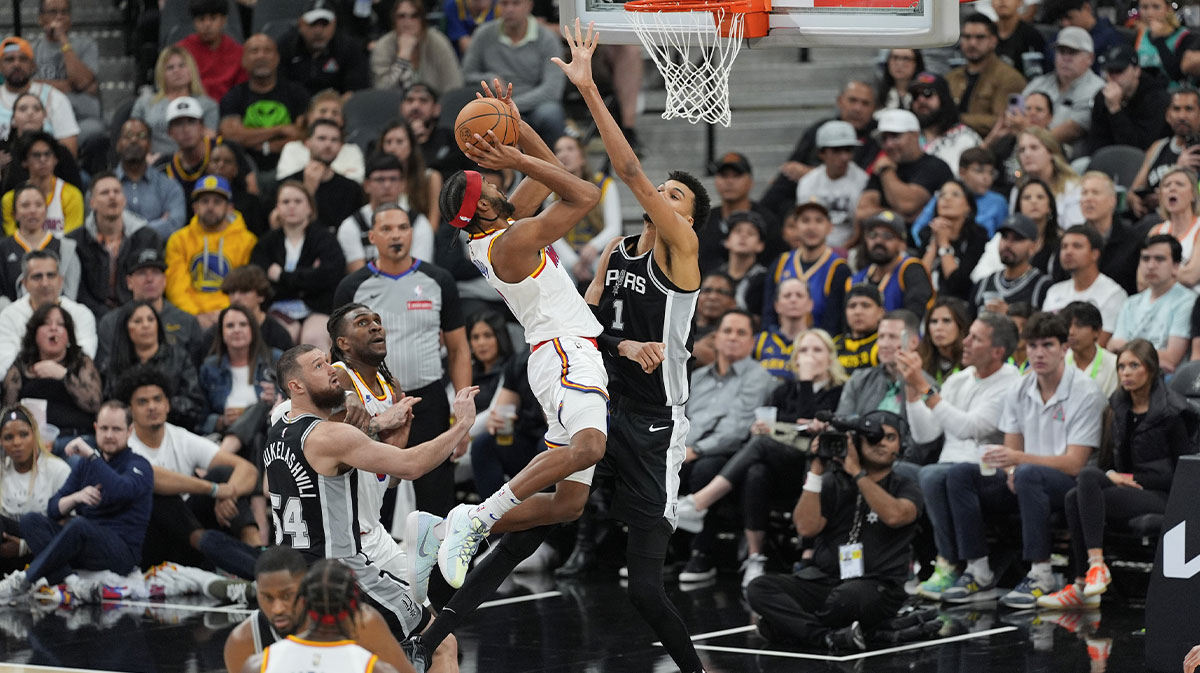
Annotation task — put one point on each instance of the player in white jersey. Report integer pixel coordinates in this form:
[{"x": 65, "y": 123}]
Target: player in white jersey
[
  {"x": 511, "y": 247},
  {"x": 330, "y": 597}
]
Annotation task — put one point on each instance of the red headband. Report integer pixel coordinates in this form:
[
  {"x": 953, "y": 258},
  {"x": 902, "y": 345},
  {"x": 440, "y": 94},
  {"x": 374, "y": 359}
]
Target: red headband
[{"x": 466, "y": 212}]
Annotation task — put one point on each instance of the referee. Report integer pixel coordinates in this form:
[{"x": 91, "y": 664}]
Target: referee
[{"x": 419, "y": 305}]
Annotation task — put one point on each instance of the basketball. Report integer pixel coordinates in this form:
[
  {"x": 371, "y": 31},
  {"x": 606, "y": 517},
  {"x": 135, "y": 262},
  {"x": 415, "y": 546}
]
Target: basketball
[{"x": 482, "y": 115}]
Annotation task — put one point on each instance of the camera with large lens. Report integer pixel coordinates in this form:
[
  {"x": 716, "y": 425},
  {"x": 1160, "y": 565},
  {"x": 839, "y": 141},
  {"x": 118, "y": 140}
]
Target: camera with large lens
[{"x": 833, "y": 443}]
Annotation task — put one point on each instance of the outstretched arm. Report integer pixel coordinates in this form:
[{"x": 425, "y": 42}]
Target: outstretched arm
[{"x": 529, "y": 194}]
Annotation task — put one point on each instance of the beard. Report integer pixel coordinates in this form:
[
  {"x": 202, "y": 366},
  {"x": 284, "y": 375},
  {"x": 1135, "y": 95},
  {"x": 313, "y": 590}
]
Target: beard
[
  {"x": 878, "y": 254},
  {"x": 18, "y": 79},
  {"x": 327, "y": 399},
  {"x": 503, "y": 208}
]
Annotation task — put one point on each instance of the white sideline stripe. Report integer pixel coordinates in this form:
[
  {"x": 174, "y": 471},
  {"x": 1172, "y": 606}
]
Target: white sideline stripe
[
  {"x": 175, "y": 606},
  {"x": 848, "y": 657},
  {"x": 519, "y": 599},
  {"x": 19, "y": 668},
  {"x": 714, "y": 634}
]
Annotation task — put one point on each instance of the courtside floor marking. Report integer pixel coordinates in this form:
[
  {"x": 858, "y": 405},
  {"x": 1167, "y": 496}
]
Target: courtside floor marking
[
  {"x": 25, "y": 668},
  {"x": 715, "y": 634},
  {"x": 520, "y": 599},
  {"x": 848, "y": 657},
  {"x": 178, "y": 606}
]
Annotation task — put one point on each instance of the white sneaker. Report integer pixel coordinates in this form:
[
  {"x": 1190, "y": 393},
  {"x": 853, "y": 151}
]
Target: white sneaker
[
  {"x": 539, "y": 561},
  {"x": 688, "y": 518},
  {"x": 464, "y": 532},
  {"x": 14, "y": 586},
  {"x": 753, "y": 568},
  {"x": 421, "y": 547}
]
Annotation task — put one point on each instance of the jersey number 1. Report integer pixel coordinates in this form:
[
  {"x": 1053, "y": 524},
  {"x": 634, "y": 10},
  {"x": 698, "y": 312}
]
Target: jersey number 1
[
  {"x": 618, "y": 309},
  {"x": 292, "y": 523}
]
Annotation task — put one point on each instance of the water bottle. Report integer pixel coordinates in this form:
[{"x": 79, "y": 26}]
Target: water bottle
[{"x": 362, "y": 8}]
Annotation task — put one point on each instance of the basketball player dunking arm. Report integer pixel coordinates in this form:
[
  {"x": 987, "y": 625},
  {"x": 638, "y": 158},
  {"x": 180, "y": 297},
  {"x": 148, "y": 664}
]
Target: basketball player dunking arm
[
  {"x": 645, "y": 292},
  {"x": 331, "y": 600}
]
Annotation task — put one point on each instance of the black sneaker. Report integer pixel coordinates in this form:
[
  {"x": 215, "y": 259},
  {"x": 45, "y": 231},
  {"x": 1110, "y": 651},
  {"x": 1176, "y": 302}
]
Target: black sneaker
[
  {"x": 848, "y": 639},
  {"x": 698, "y": 569},
  {"x": 420, "y": 656},
  {"x": 581, "y": 562}
]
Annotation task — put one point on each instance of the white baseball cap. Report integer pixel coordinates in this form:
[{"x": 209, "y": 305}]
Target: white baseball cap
[
  {"x": 1074, "y": 37},
  {"x": 184, "y": 107},
  {"x": 316, "y": 10},
  {"x": 898, "y": 121},
  {"x": 837, "y": 134}
]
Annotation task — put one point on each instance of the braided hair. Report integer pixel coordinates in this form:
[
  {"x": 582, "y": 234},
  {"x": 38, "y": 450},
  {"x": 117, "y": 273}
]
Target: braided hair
[
  {"x": 331, "y": 596},
  {"x": 335, "y": 328}
]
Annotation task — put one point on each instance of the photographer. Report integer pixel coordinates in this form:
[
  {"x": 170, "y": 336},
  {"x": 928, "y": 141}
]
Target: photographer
[{"x": 862, "y": 518}]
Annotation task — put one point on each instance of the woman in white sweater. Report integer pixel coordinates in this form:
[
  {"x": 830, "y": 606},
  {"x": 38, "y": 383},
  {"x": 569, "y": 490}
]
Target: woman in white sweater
[
  {"x": 414, "y": 52},
  {"x": 30, "y": 475}
]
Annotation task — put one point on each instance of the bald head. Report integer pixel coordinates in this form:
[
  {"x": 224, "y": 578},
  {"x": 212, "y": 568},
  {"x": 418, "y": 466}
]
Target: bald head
[{"x": 260, "y": 56}]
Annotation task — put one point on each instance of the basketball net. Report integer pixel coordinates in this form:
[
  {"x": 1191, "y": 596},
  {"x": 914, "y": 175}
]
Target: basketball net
[{"x": 694, "y": 58}]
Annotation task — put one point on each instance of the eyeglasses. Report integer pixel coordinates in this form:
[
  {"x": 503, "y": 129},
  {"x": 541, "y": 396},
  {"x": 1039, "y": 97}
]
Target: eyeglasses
[
  {"x": 926, "y": 92},
  {"x": 716, "y": 290}
]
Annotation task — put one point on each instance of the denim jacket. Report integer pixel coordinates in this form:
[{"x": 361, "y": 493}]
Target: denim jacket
[{"x": 216, "y": 378}]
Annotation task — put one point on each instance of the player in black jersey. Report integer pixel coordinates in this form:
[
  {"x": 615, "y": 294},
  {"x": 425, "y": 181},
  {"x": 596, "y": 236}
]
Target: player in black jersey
[{"x": 311, "y": 480}]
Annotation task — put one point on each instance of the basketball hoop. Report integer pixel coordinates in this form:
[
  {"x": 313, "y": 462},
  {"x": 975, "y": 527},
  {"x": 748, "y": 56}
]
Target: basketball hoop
[{"x": 694, "y": 44}]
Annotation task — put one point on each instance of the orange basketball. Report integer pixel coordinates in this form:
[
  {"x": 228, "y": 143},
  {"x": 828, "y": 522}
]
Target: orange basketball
[{"x": 482, "y": 115}]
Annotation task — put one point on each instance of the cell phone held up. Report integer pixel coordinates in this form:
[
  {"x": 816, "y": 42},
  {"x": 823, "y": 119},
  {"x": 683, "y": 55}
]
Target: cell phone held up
[{"x": 1016, "y": 102}]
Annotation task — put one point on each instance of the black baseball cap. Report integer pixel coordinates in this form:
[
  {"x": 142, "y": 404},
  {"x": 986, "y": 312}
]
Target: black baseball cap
[
  {"x": 148, "y": 258},
  {"x": 1020, "y": 225},
  {"x": 1118, "y": 57},
  {"x": 886, "y": 218},
  {"x": 735, "y": 161}
]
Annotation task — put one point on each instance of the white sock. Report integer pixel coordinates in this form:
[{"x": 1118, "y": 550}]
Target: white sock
[
  {"x": 439, "y": 530},
  {"x": 496, "y": 506},
  {"x": 1041, "y": 570},
  {"x": 980, "y": 570}
]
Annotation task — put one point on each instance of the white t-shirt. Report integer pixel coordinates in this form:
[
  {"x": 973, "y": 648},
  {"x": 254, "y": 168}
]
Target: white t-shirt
[
  {"x": 242, "y": 394},
  {"x": 181, "y": 451},
  {"x": 1071, "y": 416},
  {"x": 26, "y": 493},
  {"x": 59, "y": 114},
  {"x": 1104, "y": 293},
  {"x": 840, "y": 196},
  {"x": 967, "y": 415}
]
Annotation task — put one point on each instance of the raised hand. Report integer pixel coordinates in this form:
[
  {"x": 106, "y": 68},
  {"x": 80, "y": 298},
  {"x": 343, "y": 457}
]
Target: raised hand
[
  {"x": 502, "y": 94},
  {"x": 491, "y": 153},
  {"x": 464, "y": 406},
  {"x": 579, "y": 70}
]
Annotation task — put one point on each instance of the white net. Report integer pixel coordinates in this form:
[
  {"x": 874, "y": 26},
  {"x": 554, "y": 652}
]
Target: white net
[{"x": 694, "y": 59}]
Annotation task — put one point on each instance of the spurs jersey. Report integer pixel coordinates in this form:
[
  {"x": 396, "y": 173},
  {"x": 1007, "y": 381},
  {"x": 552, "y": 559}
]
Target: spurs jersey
[
  {"x": 371, "y": 487},
  {"x": 546, "y": 303},
  {"x": 639, "y": 303},
  {"x": 314, "y": 514},
  {"x": 294, "y": 655},
  {"x": 263, "y": 631}
]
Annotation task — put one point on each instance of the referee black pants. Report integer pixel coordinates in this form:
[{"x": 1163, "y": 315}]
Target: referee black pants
[{"x": 431, "y": 417}]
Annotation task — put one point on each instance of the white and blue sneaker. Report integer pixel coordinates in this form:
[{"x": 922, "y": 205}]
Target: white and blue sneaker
[
  {"x": 1027, "y": 592},
  {"x": 464, "y": 532},
  {"x": 421, "y": 548}
]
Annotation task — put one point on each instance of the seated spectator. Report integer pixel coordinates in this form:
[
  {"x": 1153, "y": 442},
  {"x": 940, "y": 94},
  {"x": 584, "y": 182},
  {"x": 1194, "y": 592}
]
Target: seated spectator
[
  {"x": 905, "y": 177},
  {"x": 1018, "y": 281},
  {"x": 304, "y": 264},
  {"x": 51, "y": 366},
  {"x": 141, "y": 339},
  {"x": 1080, "y": 257},
  {"x": 149, "y": 193},
  {"x": 108, "y": 244},
  {"x": 193, "y": 520},
  {"x": 901, "y": 279},
  {"x": 953, "y": 242},
  {"x": 1160, "y": 313},
  {"x": 318, "y": 56},
  {"x": 855, "y": 104},
  {"x": 421, "y": 185},
  {"x": 110, "y": 503},
  {"x": 1040, "y": 156},
  {"x": 1162, "y": 41},
  {"x": 1020, "y": 312},
  {"x": 1035, "y": 200},
  {"x": 982, "y": 86},
  {"x": 1086, "y": 351},
  {"x": 716, "y": 299},
  {"x": 226, "y": 162},
  {"x": 175, "y": 77},
  {"x": 813, "y": 260},
  {"x": 200, "y": 255},
  {"x": 1179, "y": 207},
  {"x": 1020, "y": 44},
  {"x": 34, "y": 475},
  {"x": 413, "y": 51},
  {"x": 579, "y": 251},
  {"x": 1118, "y": 256},
  {"x": 720, "y": 410},
  {"x": 42, "y": 279},
  {"x": 237, "y": 379},
  {"x": 942, "y": 133},
  {"x": 899, "y": 70},
  {"x": 463, "y": 17},
  {"x": 733, "y": 182},
  {"x": 1082, "y": 14},
  {"x": 64, "y": 201},
  {"x": 1177, "y": 149},
  {"x": 517, "y": 48},
  {"x": 69, "y": 61},
  {"x": 1130, "y": 109},
  {"x": 1071, "y": 86},
  {"x": 941, "y": 346},
  {"x": 248, "y": 287},
  {"x": 337, "y": 197},
  {"x": 766, "y": 470},
  {"x": 218, "y": 57},
  {"x": 295, "y": 155},
  {"x": 1035, "y": 111},
  {"x": 744, "y": 243},
  {"x": 29, "y": 115},
  {"x": 838, "y": 182},
  {"x": 1152, "y": 427},
  {"x": 858, "y": 346},
  {"x": 193, "y": 159},
  {"x": 1051, "y": 424},
  {"x": 965, "y": 412},
  {"x": 32, "y": 234},
  {"x": 793, "y": 310},
  {"x": 146, "y": 281},
  {"x": 438, "y": 148},
  {"x": 17, "y": 67},
  {"x": 262, "y": 113},
  {"x": 976, "y": 170},
  {"x": 384, "y": 184},
  {"x": 815, "y": 607}
]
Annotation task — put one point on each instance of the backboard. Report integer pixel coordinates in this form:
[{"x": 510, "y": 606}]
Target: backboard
[{"x": 806, "y": 23}]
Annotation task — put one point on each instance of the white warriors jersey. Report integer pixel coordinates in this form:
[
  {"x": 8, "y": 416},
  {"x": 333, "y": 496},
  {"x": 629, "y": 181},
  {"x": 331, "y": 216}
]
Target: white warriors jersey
[
  {"x": 293, "y": 655},
  {"x": 371, "y": 487},
  {"x": 547, "y": 304}
]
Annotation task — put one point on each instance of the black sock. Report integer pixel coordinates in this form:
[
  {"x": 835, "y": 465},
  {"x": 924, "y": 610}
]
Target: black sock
[{"x": 646, "y": 550}]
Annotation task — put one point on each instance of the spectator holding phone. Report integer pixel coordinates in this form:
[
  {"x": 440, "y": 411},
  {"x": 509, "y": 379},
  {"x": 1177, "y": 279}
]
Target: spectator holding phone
[{"x": 1180, "y": 148}]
